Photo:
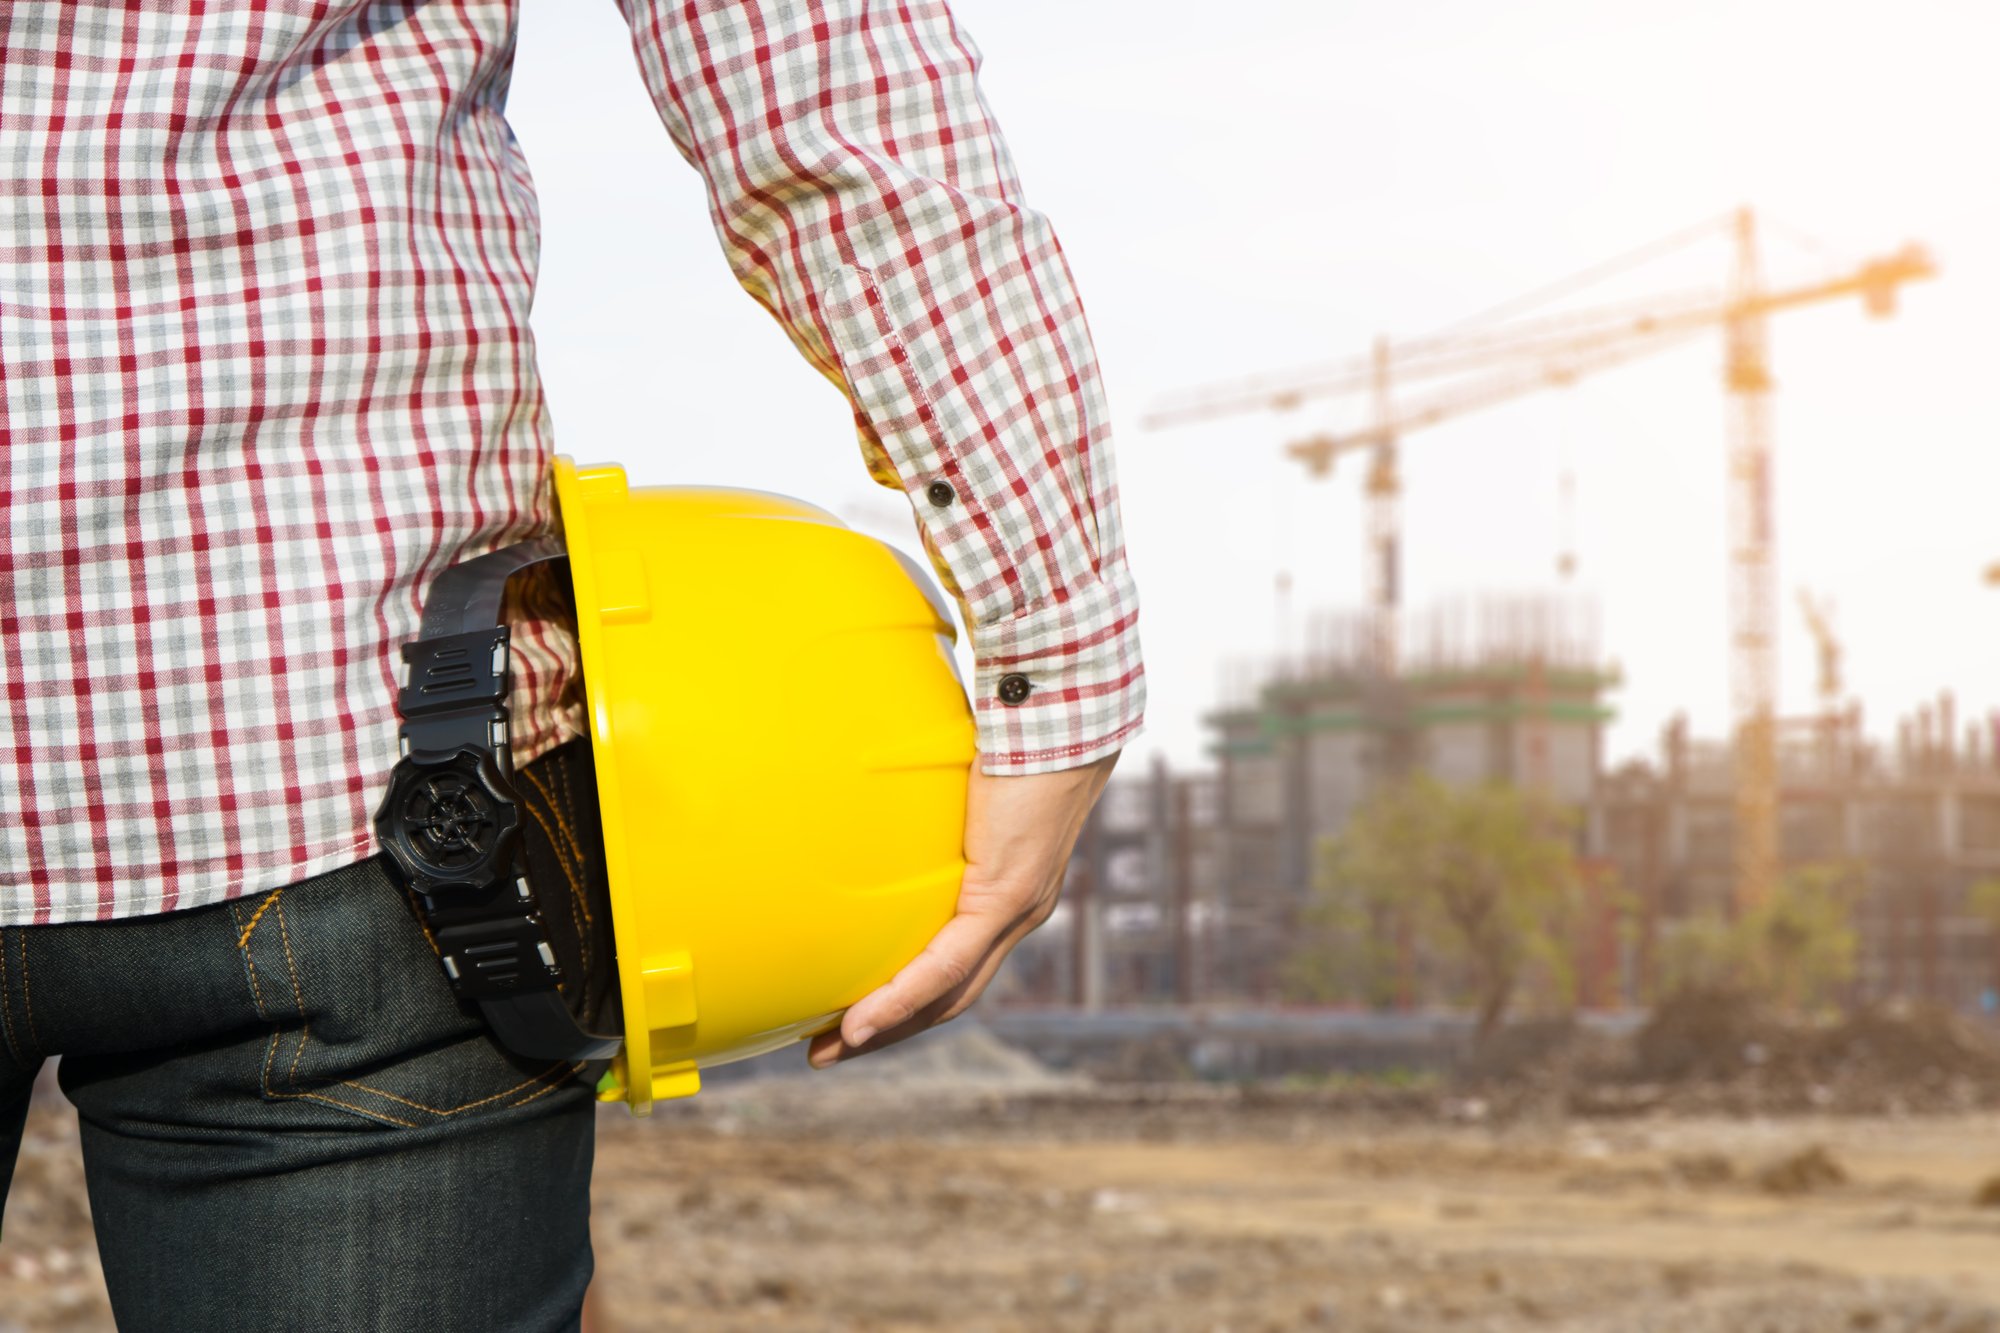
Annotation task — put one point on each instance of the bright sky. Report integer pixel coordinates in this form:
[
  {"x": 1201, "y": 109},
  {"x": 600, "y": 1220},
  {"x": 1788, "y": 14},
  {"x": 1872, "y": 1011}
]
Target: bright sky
[{"x": 1245, "y": 187}]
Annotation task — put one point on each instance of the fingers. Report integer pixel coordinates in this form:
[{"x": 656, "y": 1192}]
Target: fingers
[
  {"x": 945, "y": 965},
  {"x": 830, "y": 1048},
  {"x": 931, "y": 1005}
]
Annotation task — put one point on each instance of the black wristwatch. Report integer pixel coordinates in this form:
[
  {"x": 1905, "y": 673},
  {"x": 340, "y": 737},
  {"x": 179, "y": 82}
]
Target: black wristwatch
[{"x": 451, "y": 820}]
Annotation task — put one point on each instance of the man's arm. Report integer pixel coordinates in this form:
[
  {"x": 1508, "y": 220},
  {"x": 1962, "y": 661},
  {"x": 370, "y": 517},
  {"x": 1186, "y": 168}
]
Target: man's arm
[{"x": 864, "y": 197}]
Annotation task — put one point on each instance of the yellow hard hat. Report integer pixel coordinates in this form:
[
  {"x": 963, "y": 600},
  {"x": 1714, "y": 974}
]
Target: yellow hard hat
[{"x": 781, "y": 742}]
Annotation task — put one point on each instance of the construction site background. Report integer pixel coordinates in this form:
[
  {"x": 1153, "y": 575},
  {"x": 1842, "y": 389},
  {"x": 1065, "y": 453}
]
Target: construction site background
[{"x": 1189, "y": 887}]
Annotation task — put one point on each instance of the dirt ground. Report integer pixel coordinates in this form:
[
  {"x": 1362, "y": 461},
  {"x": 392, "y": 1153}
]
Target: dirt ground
[
  {"x": 1190, "y": 1210},
  {"x": 1024, "y": 1204}
]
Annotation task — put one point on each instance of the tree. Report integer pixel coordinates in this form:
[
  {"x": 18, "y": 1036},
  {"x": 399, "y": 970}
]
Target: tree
[
  {"x": 1484, "y": 878},
  {"x": 1795, "y": 949},
  {"x": 1347, "y": 947},
  {"x": 1983, "y": 901},
  {"x": 1801, "y": 940},
  {"x": 1703, "y": 955}
]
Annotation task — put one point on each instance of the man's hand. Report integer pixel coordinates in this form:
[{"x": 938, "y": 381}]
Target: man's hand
[{"x": 1018, "y": 835}]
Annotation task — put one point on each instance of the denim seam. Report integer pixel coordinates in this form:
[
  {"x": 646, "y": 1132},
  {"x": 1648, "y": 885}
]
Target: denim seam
[
  {"x": 249, "y": 963},
  {"x": 298, "y": 998},
  {"x": 243, "y": 936},
  {"x": 271, "y": 1054},
  {"x": 537, "y": 1096},
  {"x": 28, "y": 996},
  {"x": 569, "y": 834},
  {"x": 7, "y": 1006},
  {"x": 560, "y": 782},
  {"x": 256, "y": 988}
]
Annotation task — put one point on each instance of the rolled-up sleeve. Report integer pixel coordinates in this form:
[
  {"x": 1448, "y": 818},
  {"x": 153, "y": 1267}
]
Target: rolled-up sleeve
[{"x": 864, "y": 197}]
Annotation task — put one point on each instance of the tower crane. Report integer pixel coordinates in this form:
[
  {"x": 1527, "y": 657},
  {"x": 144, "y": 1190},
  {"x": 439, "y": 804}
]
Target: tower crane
[
  {"x": 1818, "y": 612},
  {"x": 1507, "y": 354}
]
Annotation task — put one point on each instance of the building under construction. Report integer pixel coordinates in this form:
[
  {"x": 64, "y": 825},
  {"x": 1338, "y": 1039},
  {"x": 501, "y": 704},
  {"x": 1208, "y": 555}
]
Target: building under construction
[
  {"x": 1915, "y": 818},
  {"x": 1499, "y": 690},
  {"x": 1190, "y": 887}
]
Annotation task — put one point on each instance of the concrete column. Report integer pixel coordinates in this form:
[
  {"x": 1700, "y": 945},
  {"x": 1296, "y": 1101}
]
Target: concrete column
[
  {"x": 1091, "y": 922},
  {"x": 1594, "y": 839},
  {"x": 1085, "y": 893},
  {"x": 1677, "y": 832}
]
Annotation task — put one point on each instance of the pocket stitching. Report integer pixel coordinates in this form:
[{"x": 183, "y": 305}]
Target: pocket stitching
[
  {"x": 534, "y": 1097},
  {"x": 334, "y": 1101},
  {"x": 560, "y": 1065},
  {"x": 243, "y": 939}
]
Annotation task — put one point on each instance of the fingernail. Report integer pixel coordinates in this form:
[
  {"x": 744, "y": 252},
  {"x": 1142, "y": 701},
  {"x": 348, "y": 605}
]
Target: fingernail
[{"x": 860, "y": 1036}]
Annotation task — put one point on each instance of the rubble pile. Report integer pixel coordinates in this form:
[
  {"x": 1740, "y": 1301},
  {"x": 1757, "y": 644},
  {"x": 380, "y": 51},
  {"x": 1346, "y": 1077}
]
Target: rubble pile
[
  {"x": 1721, "y": 1052},
  {"x": 1807, "y": 1171}
]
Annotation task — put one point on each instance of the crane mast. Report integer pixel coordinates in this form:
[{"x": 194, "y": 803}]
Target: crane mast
[
  {"x": 1753, "y": 575},
  {"x": 1384, "y": 534}
]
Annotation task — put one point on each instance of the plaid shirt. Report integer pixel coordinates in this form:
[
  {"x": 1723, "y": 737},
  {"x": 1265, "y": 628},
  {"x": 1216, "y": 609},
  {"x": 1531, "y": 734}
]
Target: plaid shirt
[{"x": 265, "y": 370}]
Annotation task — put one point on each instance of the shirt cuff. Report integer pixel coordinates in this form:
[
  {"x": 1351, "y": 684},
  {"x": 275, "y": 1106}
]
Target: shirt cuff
[{"x": 1062, "y": 685}]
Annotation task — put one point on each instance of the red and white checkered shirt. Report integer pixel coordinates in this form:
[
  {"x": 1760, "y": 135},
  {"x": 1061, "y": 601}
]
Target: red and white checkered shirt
[{"x": 265, "y": 370}]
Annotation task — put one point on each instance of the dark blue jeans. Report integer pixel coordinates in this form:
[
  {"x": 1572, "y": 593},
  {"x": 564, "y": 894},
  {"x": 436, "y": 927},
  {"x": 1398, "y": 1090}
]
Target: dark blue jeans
[{"x": 289, "y": 1123}]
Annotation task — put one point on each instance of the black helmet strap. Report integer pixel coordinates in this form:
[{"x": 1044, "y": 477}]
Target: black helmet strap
[{"x": 451, "y": 822}]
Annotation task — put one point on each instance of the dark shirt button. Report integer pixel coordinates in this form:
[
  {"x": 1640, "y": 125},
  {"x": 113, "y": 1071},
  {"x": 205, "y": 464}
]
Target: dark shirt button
[
  {"x": 941, "y": 494},
  {"x": 1013, "y": 689}
]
